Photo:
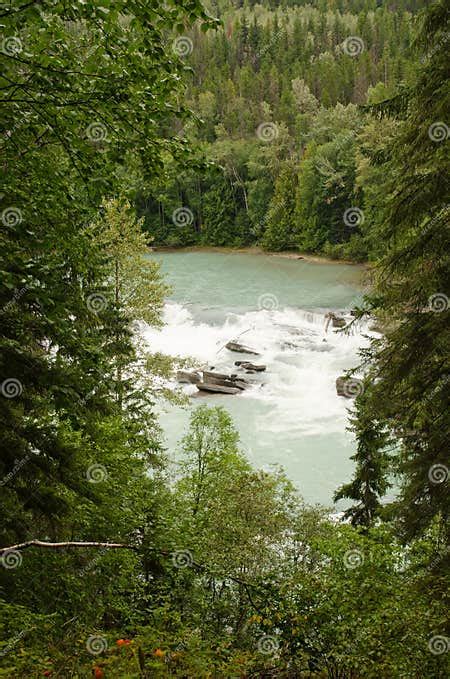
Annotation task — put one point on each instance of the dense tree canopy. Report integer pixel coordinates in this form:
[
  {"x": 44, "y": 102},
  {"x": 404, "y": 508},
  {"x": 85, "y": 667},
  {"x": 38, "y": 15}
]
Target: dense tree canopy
[
  {"x": 78, "y": 111},
  {"x": 114, "y": 561},
  {"x": 409, "y": 366},
  {"x": 277, "y": 90}
]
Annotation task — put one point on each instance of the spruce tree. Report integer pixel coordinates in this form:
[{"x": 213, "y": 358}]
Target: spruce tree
[
  {"x": 409, "y": 367},
  {"x": 369, "y": 483}
]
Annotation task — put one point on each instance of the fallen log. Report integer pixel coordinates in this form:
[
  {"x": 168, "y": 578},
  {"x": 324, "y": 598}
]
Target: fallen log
[{"x": 64, "y": 545}]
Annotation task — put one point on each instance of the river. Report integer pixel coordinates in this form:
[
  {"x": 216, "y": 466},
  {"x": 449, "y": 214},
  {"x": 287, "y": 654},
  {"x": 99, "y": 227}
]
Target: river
[{"x": 292, "y": 415}]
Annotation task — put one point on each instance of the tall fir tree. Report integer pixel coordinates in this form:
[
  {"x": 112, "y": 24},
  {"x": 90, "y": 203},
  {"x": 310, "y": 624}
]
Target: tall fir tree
[
  {"x": 369, "y": 483},
  {"x": 409, "y": 366}
]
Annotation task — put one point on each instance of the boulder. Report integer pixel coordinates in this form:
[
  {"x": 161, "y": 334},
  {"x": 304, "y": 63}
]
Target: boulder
[
  {"x": 349, "y": 387},
  {"x": 336, "y": 321},
  {"x": 241, "y": 348},
  {"x": 340, "y": 386},
  {"x": 241, "y": 385},
  {"x": 187, "y": 377},
  {"x": 210, "y": 374},
  {"x": 224, "y": 380},
  {"x": 250, "y": 367},
  {"x": 217, "y": 388}
]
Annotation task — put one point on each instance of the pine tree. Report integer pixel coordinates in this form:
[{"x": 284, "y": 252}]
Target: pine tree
[{"x": 369, "y": 483}]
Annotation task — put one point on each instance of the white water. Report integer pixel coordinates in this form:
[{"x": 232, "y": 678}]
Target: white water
[{"x": 291, "y": 415}]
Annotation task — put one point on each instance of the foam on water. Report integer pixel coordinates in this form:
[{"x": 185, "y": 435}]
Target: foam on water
[
  {"x": 292, "y": 415},
  {"x": 303, "y": 361}
]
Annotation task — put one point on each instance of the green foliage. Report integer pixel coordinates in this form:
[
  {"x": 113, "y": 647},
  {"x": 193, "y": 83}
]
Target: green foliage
[
  {"x": 409, "y": 368},
  {"x": 221, "y": 570},
  {"x": 86, "y": 108},
  {"x": 276, "y": 91},
  {"x": 218, "y": 213},
  {"x": 369, "y": 484},
  {"x": 234, "y": 576},
  {"x": 216, "y": 492},
  {"x": 135, "y": 278},
  {"x": 281, "y": 232}
]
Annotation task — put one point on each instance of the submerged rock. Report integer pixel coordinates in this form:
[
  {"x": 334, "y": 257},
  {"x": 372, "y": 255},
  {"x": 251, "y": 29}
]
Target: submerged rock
[{"x": 336, "y": 321}]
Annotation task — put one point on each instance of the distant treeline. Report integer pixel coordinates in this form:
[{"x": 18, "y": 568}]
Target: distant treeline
[{"x": 283, "y": 145}]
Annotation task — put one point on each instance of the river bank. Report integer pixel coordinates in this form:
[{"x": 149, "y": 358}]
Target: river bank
[{"x": 254, "y": 250}]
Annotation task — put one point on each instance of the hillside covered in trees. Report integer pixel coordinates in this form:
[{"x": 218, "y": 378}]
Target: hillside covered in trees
[
  {"x": 283, "y": 143},
  {"x": 111, "y": 565}
]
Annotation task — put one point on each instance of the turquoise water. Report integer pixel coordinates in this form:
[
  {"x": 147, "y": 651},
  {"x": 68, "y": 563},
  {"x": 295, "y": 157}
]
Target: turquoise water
[
  {"x": 291, "y": 416},
  {"x": 235, "y": 281}
]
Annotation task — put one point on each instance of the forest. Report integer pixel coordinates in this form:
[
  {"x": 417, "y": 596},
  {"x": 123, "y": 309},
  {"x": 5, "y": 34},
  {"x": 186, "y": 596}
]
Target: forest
[
  {"x": 313, "y": 127},
  {"x": 281, "y": 138}
]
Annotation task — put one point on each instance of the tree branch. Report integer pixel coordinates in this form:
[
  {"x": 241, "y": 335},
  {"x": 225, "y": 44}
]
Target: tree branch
[
  {"x": 16, "y": 10},
  {"x": 119, "y": 545},
  {"x": 63, "y": 545}
]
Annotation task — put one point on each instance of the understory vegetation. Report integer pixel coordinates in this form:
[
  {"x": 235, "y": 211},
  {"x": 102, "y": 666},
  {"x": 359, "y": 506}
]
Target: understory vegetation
[{"x": 115, "y": 562}]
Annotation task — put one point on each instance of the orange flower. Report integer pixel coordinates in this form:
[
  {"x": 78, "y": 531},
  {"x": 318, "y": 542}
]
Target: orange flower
[
  {"x": 98, "y": 673},
  {"x": 123, "y": 642},
  {"x": 159, "y": 653}
]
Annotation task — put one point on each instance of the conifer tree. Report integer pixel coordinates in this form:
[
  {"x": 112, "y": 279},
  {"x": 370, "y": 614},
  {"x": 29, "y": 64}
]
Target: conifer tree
[
  {"x": 369, "y": 483},
  {"x": 280, "y": 233},
  {"x": 409, "y": 367}
]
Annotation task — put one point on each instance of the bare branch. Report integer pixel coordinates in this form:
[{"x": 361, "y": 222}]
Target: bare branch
[
  {"x": 119, "y": 545},
  {"x": 64, "y": 545}
]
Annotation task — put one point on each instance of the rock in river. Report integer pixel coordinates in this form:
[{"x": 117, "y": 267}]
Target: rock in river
[
  {"x": 336, "y": 321},
  {"x": 187, "y": 377},
  {"x": 253, "y": 367},
  {"x": 217, "y": 388},
  {"x": 224, "y": 380},
  {"x": 241, "y": 348},
  {"x": 349, "y": 387}
]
